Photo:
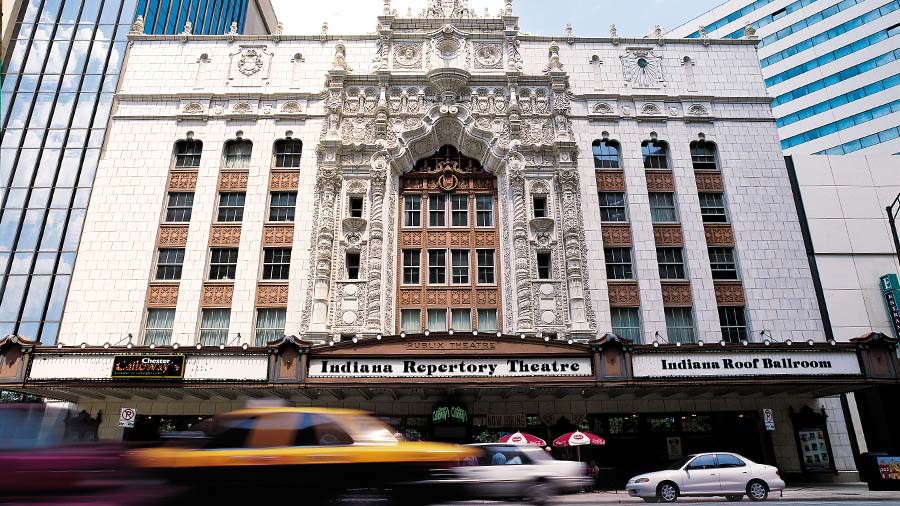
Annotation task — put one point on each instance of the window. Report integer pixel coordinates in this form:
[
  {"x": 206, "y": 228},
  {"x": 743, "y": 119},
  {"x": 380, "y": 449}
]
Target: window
[
  {"x": 168, "y": 263},
  {"x": 655, "y": 154},
  {"x": 780, "y": 13},
  {"x": 319, "y": 430},
  {"x": 606, "y": 154},
  {"x": 703, "y": 155},
  {"x": 231, "y": 206},
  {"x": 727, "y": 461},
  {"x": 352, "y": 264},
  {"x": 626, "y": 323},
  {"x": 679, "y": 324},
  {"x": 287, "y": 152},
  {"x": 222, "y": 263},
  {"x": 484, "y": 210},
  {"x": 712, "y": 208},
  {"x": 437, "y": 209},
  {"x": 662, "y": 207},
  {"x": 412, "y": 210},
  {"x": 733, "y": 323},
  {"x": 722, "y": 264},
  {"x": 269, "y": 325},
  {"x": 539, "y": 205},
  {"x": 411, "y": 267},
  {"x": 277, "y": 263},
  {"x": 282, "y": 206},
  {"x": 487, "y": 320},
  {"x": 237, "y": 154},
  {"x": 485, "y": 266},
  {"x": 459, "y": 260},
  {"x": 437, "y": 320},
  {"x": 159, "y": 327},
  {"x": 612, "y": 206},
  {"x": 461, "y": 319},
  {"x": 178, "y": 207},
  {"x": 230, "y": 432},
  {"x": 356, "y": 207},
  {"x": 214, "y": 326},
  {"x": 703, "y": 462},
  {"x": 437, "y": 266},
  {"x": 544, "y": 266},
  {"x": 459, "y": 210},
  {"x": 187, "y": 153},
  {"x": 618, "y": 263},
  {"x": 671, "y": 263},
  {"x": 410, "y": 320}
]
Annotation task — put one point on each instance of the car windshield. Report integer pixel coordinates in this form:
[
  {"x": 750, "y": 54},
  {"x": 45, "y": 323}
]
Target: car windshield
[
  {"x": 678, "y": 464},
  {"x": 367, "y": 429}
]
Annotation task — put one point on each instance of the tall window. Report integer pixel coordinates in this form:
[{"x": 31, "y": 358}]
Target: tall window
[
  {"x": 544, "y": 265},
  {"x": 671, "y": 263},
  {"x": 606, "y": 154},
  {"x": 655, "y": 154},
  {"x": 618, "y": 263},
  {"x": 459, "y": 259},
  {"x": 159, "y": 327},
  {"x": 487, "y": 320},
  {"x": 179, "y": 206},
  {"x": 734, "y": 324},
  {"x": 222, "y": 263},
  {"x": 411, "y": 266},
  {"x": 485, "y": 266},
  {"x": 287, "y": 152},
  {"x": 612, "y": 206},
  {"x": 703, "y": 155},
  {"x": 437, "y": 266},
  {"x": 722, "y": 263},
  {"x": 539, "y": 206},
  {"x": 461, "y": 319},
  {"x": 662, "y": 207},
  {"x": 231, "y": 206},
  {"x": 626, "y": 323},
  {"x": 214, "y": 326},
  {"x": 437, "y": 210},
  {"x": 277, "y": 263},
  {"x": 459, "y": 210},
  {"x": 412, "y": 210},
  {"x": 352, "y": 264},
  {"x": 187, "y": 153},
  {"x": 484, "y": 210},
  {"x": 411, "y": 320},
  {"x": 355, "y": 207},
  {"x": 437, "y": 320},
  {"x": 269, "y": 325},
  {"x": 712, "y": 208},
  {"x": 168, "y": 263},
  {"x": 282, "y": 206},
  {"x": 680, "y": 325},
  {"x": 237, "y": 154}
]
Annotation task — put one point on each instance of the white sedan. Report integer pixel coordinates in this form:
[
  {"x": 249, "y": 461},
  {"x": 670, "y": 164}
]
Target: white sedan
[{"x": 708, "y": 474}]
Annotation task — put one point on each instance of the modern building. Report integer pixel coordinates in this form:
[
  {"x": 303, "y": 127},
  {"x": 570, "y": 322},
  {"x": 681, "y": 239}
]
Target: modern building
[
  {"x": 59, "y": 77},
  {"x": 831, "y": 67},
  {"x": 463, "y": 229}
]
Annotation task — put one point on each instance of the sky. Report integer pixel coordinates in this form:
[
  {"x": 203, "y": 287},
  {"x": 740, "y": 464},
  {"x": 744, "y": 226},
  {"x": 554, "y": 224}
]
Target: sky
[{"x": 543, "y": 17}]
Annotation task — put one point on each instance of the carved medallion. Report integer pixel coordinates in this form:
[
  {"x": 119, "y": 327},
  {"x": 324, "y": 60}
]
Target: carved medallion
[
  {"x": 250, "y": 62},
  {"x": 407, "y": 55},
  {"x": 488, "y": 56},
  {"x": 642, "y": 68}
]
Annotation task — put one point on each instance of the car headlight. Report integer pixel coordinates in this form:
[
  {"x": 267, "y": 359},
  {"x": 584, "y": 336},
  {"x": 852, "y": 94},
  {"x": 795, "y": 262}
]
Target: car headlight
[{"x": 640, "y": 480}]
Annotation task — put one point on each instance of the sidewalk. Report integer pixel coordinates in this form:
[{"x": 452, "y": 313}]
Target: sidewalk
[{"x": 838, "y": 493}]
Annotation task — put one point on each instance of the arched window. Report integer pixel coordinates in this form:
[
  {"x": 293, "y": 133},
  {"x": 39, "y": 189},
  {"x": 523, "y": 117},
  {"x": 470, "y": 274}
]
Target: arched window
[
  {"x": 187, "y": 153},
  {"x": 703, "y": 155},
  {"x": 606, "y": 154},
  {"x": 237, "y": 153},
  {"x": 656, "y": 154},
  {"x": 288, "y": 152}
]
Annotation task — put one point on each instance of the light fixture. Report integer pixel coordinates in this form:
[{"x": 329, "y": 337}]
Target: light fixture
[
  {"x": 832, "y": 342},
  {"x": 427, "y": 332},
  {"x": 789, "y": 342},
  {"x": 355, "y": 339},
  {"x": 59, "y": 345},
  {"x": 656, "y": 344},
  {"x": 403, "y": 334},
  {"x": 330, "y": 343},
  {"x": 199, "y": 346},
  {"x": 522, "y": 336},
  {"x": 245, "y": 346},
  {"x": 450, "y": 332},
  {"x": 221, "y": 346},
  {"x": 570, "y": 341},
  {"x": 810, "y": 342},
  {"x": 83, "y": 345},
  {"x": 474, "y": 332},
  {"x": 700, "y": 343},
  {"x": 175, "y": 346},
  {"x": 152, "y": 346},
  {"x": 678, "y": 344},
  {"x": 722, "y": 343},
  {"x": 546, "y": 338},
  {"x": 767, "y": 342},
  {"x": 129, "y": 345},
  {"x": 378, "y": 337},
  {"x": 499, "y": 334},
  {"x": 106, "y": 346},
  {"x": 744, "y": 342}
]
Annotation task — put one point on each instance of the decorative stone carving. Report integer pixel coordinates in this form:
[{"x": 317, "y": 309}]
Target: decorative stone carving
[
  {"x": 250, "y": 62},
  {"x": 516, "y": 179},
  {"x": 709, "y": 181},
  {"x": 162, "y": 295},
  {"x": 668, "y": 235},
  {"x": 603, "y": 108},
  {"x": 291, "y": 107},
  {"x": 610, "y": 180},
  {"x": 216, "y": 295},
  {"x": 242, "y": 108},
  {"x": 284, "y": 180},
  {"x": 378, "y": 181},
  {"x": 182, "y": 180},
  {"x": 540, "y": 188},
  {"x": 233, "y": 180},
  {"x": 137, "y": 28},
  {"x": 250, "y": 65},
  {"x": 225, "y": 235},
  {"x": 581, "y": 315},
  {"x": 718, "y": 234},
  {"x": 488, "y": 56},
  {"x": 407, "y": 56},
  {"x": 616, "y": 234},
  {"x": 642, "y": 68},
  {"x": 676, "y": 293},
  {"x": 360, "y": 100},
  {"x": 624, "y": 294},
  {"x": 650, "y": 110},
  {"x": 271, "y": 295},
  {"x": 358, "y": 130},
  {"x": 193, "y": 108},
  {"x": 554, "y": 64},
  {"x": 172, "y": 236},
  {"x": 340, "y": 57},
  {"x": 448, "y": 9},
  {"x": 697, "y": 110},
  {"x": 660, "y": 181},
  {"x": 729, "y": 293},
  {"x": 278, "y": 235}
]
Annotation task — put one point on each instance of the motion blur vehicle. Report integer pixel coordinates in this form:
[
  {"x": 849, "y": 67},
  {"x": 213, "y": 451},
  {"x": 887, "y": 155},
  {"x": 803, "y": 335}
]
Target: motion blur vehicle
[
  {"x": 708, "y": 474},
  {"x": 319, "y": 454},
  {"x": 508, "y": 471}
]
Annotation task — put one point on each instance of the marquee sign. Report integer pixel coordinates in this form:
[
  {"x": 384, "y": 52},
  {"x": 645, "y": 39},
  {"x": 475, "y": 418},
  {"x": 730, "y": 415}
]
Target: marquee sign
[
  {"x": 148, "y": 367},
  {"x": 737, "y": 364},
  {"x": 448, "y": 367}
]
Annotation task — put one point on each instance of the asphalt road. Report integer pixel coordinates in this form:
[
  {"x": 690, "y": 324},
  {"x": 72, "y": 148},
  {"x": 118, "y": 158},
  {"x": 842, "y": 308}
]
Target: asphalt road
[{"x": 712, "y": 502}]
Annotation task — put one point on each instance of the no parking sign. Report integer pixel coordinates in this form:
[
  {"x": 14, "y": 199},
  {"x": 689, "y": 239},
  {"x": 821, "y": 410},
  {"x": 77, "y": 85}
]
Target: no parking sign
[{"x": 126, "y": 417}]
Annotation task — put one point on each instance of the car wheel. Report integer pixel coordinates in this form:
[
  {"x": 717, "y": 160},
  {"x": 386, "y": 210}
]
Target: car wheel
[
  {"x": 540, "y": 493},
  {"x": 734, "y": 498},
  {"x": 667, "y": 492},
  {"x": 757, "y": 490}
]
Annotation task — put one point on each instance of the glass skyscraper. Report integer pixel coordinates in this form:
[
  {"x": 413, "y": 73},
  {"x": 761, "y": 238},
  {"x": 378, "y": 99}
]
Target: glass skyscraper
[{"x": 58, "y": 79}]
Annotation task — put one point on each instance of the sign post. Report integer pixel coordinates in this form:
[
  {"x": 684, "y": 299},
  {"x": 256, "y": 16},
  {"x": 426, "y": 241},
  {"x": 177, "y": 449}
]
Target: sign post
[
  {"x": 890, "y": 289},
  {"x": 126, "y": 417}
]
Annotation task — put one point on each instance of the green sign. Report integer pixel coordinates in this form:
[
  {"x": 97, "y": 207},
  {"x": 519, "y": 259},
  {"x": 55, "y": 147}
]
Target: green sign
[
  {"x": 890, "y": 288},
  {"x": 449, "y": 414}
]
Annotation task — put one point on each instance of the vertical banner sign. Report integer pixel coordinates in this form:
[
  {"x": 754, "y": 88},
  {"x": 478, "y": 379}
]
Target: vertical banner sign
[
  {"x": 890, "y": 288},
  {"x": 768, "y": 419},
  {"x": 126, "y": 417}
]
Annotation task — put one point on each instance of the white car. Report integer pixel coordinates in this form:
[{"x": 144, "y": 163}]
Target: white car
[
  {"x": 507, "y": 471},
  {"x": 708, "y": 474}
]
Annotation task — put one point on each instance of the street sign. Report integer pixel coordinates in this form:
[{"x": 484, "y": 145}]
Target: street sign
[
  {"x": 769, "y": 419},
  {"x": 890, "y": 288},
  {"x": 126, "y": 417}
]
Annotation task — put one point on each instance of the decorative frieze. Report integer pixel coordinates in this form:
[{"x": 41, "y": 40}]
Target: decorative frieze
[
  {"x": 718, "y": 234},
  {"x": 729, "y": 293},
  {"x": 676, "y": 293},
  {"x": 610, "y": 180},
  {"x": 271, "y": 295},
  {"x": 217, "y": 295},
  {"x": 278, "y": 235},
  {"x": 615, "y": 234},
  {"x": 232, "y": 180},
  {"x": 162, "y": 295},
  {"x": 624, "y": 294},
  {"x": 709, "y": 181},
  {"x": 660, "y": 181},
  {"x": 225, "y": 235},
  {"x": 182, "y": 181},
  {"x": 284, "y": 180},
  {"x": 668, "y": 235},
  {"x": 172, "y": 236}
]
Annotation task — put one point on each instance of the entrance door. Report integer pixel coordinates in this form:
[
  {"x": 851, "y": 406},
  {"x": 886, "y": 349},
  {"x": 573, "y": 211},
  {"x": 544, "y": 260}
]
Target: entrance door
[{"x": 701, "y": 476}]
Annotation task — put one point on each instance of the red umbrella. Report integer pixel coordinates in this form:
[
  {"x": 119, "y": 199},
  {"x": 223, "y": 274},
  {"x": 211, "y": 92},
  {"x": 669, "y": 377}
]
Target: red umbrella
[
  {"x": 521, "y": 438},
  {"x": 578, "y": 439}
]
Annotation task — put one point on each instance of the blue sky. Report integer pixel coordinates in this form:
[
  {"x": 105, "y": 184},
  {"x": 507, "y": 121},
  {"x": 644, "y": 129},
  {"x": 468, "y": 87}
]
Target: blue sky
[{"x": 545, "y": 17}]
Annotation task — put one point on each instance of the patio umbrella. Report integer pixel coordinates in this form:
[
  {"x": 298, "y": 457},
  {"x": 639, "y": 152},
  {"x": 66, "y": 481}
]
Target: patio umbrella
[
  {"x": 521, "y": 438},
  {"x": 578, "y": 439}
]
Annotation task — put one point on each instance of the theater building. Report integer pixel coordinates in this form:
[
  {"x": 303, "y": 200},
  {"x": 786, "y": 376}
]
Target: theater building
[{"x": 464, "y": 229}]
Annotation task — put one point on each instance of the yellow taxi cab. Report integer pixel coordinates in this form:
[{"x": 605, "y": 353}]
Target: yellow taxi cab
[{"x": 325, "y": 453}]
